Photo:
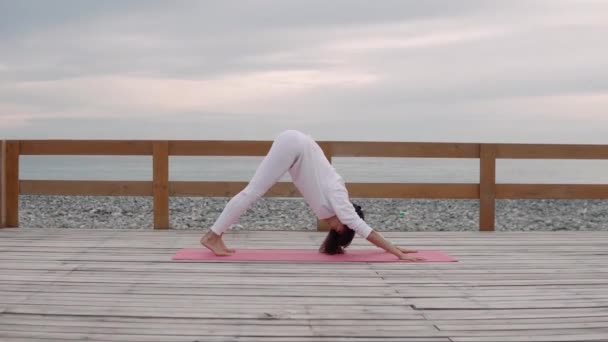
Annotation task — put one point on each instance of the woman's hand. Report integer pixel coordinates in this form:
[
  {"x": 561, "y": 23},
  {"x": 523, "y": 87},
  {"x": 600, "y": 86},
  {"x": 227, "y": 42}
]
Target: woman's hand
[
  {"x": 401, "y": 253},
  {"x": 406, "y": 257},
  {"x": 403, "y": 250}
]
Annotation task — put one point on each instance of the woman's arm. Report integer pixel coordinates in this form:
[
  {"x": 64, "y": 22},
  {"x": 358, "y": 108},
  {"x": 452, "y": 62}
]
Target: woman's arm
[
  {"x": 348, "y": 216},
  {"x": 378, "y": 240}
]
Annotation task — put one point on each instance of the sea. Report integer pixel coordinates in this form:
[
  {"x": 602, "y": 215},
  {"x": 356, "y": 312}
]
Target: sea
[{"x": 357, "y": 169}]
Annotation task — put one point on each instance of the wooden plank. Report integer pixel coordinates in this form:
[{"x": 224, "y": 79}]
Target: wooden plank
[
  {"x": 192, "y": 299},
  {"x": 12, "y": 184},
  {"x": 551, "y": 151},
  {"x": 573, "y": 335},
  {"x": 86, "y": 147},
  {"x": 413, "y": 190},
  {"x": 487, "y": 191},
  {"x": 20, "y": 336},
  {"x": 403, "y": 149},
  {"x": 134, "y": 322},
  {"x": 86, "y": 188},
  {"x": 545, "y": 325},
  {"x": 219, "y": 148},
  {"x": 555, "y": 191},
  {"x": 202, "y": 312},
  {"x": 161, "y": 185},
  {"x": 109, "y": 322},
  {"x": 3, "y": 184},
  {"x": 226, "y": 189}
]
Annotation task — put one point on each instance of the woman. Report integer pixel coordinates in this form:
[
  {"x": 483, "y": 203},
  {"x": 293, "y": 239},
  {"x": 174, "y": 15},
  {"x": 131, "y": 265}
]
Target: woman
[{"x": 320, "y": 185}]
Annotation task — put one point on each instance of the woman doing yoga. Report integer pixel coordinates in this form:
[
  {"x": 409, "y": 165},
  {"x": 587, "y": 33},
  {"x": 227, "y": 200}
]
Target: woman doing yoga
[{"x": 320, "y": 185}]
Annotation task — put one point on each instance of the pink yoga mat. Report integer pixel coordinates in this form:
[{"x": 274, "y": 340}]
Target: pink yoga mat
[{"x": 304, "y": 255}]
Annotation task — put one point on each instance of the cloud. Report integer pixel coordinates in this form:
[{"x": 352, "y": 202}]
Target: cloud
[
  {"x": 313, "y": 64},
  {"x": 112, "y": 96},
  {"x": 416, "y": 42},
  {"x": 570, "y": 107}
]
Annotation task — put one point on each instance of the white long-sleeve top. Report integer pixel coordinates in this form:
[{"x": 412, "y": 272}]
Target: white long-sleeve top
[{"x": 322, "y": 187}]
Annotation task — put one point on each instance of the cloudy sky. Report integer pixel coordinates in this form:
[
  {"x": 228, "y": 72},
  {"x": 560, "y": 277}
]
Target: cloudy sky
[{"x": 465, "y": 71}]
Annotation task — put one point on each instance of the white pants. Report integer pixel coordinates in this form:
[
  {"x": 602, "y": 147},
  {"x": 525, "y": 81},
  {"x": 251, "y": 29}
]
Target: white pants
[{"x": 282, "y": 157}]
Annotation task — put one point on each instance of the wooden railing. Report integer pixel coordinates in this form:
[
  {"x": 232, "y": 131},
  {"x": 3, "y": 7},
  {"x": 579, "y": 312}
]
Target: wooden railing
[{"x": 160, "y": 188}]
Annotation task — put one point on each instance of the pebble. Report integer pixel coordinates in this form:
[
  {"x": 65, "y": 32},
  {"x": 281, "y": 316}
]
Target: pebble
[{"x": 294, "y": 214}]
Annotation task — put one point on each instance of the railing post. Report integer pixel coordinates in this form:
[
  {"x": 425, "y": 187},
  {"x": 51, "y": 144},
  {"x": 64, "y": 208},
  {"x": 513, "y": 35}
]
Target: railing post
[
  {"x": 487, "y": 187},
  {"x": 3, "y": 184},
  {"x": 11, "y": 178},
  {"x": 322, "y": 226},
  {"x": 161, "y": 184}
]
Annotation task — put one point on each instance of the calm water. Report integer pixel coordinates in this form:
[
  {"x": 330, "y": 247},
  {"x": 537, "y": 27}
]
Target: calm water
[{"x": 352, "y": 169}]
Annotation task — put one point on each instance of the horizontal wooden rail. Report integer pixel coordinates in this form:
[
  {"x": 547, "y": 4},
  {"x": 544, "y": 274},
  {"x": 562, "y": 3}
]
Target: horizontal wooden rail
[
  {"x": 414, "y": 190},
  {"x": 85, "y": 147},
  {"x": 543, "y": 151},
  {"x": 219, "y": 148},
  {"x": 286, "y": 189},
  {"x": 403, "y": 149},
  {"x": 554, "y": 191},
  {"x": 85, "y": 188},
  {"x": 247, "y": 148},
  {"x": 160, "y": 188},
  {"x": 338, "y": 149},
  {"x": 228, "y": 189}
]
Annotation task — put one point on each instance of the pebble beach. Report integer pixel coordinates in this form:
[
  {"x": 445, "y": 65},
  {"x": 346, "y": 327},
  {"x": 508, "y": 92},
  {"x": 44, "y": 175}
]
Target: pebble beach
[{"x": 294, "y": 214}]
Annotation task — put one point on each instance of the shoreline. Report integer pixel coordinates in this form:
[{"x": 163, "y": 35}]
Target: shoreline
[{"x": 199, "y": 213}]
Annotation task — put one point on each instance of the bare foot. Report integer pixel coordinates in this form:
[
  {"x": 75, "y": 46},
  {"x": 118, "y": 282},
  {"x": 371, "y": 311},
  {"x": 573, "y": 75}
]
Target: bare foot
[
  {"x": 229, "y": 250},
  {"x": 214, "y": 243}
]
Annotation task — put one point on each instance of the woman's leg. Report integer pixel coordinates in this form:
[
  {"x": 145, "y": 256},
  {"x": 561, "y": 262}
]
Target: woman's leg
[{"x": 282, "y": 155}]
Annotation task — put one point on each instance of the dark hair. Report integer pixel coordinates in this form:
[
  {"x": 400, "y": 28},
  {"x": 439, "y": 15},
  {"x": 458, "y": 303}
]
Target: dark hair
[{"x": 336, "y": 242}]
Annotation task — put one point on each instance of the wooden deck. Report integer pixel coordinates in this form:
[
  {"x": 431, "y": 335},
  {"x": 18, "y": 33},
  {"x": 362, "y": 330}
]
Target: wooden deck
[{"x": 112, "y": 285}]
